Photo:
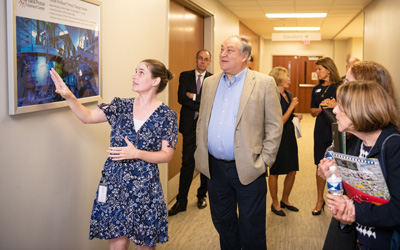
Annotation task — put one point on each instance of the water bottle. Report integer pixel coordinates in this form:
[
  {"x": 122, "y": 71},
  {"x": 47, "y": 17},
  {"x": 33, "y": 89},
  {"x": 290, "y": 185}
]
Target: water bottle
[
  {"x": 334, "y": 182},
  {"x": 327, "y": 153}
]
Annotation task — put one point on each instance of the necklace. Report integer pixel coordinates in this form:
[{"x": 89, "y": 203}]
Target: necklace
[
  {"x": 325, "y": 90},
  {"x": 364, "y": 152}
]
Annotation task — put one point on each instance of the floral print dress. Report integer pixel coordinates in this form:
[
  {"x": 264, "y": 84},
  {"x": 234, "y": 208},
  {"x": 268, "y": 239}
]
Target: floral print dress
[{"x": 135, "y": 205}]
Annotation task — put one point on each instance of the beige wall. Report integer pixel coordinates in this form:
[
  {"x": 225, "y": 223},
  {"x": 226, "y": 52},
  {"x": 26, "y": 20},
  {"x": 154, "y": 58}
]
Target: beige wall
[
  {"x": 50, "y": 162},
  {"x": 340, "y": 54},
  {"x": 381, "y": 36},
  {"x": 338, "y": 50},
  {"x": 225, "y": 25},
  {"x": 357, "y": 47},
  {"x": 316, "y": 48}
]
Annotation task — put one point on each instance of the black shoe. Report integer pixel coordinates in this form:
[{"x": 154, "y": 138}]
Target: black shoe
[
  {"x": 280, "y": 212},
  {"x": 316, "y": 212},
  {"x": 177, "y": 208},
  {"x": 201, "y": 203},
  {"x": 291, "y": 208}
]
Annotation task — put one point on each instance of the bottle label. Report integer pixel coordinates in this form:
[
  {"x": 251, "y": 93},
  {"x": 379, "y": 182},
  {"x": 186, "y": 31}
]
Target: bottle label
[
  {"x": 328, "y": 155},
  {"x": 335, "y": 186}
]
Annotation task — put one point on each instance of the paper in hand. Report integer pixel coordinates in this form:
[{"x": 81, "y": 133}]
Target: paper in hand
[{"x": 297, "y": 125}]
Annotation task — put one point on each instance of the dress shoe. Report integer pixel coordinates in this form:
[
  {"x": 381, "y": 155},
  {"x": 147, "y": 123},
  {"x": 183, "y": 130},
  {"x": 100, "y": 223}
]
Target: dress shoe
[
  {"x": 201, "y": 203},
  {"x": 291, "y": 208},
  {"x": 318, "y": 212},
  {"x": 280, "y": 212},
  {"x": 177, "y": 208}
]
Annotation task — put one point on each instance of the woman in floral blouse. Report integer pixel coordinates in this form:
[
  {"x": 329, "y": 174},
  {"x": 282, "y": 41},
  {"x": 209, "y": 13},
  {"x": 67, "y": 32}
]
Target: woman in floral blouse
[{"x": 129, "y": 203}]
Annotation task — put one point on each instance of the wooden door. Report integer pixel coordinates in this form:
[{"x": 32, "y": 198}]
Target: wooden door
[
  {"x": 254, "y": 40},
  {"x": 301, "y": 69},
  {"x": 186, "y": 37}
]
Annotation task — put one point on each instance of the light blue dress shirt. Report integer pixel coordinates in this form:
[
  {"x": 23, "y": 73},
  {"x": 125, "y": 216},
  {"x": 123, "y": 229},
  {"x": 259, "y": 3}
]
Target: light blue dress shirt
[{"x": 221, "y": 129}]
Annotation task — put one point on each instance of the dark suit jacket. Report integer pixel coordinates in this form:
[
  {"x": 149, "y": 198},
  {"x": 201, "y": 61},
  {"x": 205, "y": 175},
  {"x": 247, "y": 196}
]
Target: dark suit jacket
[{"x": 187, "y": 83}]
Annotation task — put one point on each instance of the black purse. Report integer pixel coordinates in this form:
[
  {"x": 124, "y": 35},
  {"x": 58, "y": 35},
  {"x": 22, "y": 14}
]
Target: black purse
[{"x": 330, "y": 117}]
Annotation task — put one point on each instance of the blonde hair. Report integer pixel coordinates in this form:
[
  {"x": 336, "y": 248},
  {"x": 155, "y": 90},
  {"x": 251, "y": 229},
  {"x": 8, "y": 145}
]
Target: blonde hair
[
  {"x": 367, "y": 105},
  {"x": 279, "y": 74}
]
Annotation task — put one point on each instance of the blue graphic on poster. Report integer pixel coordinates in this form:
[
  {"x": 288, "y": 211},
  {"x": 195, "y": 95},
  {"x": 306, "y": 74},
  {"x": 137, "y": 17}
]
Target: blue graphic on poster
[{"x": 72, "y": 51}]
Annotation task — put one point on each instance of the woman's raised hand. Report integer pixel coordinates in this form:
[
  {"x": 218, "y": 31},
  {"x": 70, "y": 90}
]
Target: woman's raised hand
[
  {"x": 295, "y": 101},
  {"x": 61, "y": 88}
]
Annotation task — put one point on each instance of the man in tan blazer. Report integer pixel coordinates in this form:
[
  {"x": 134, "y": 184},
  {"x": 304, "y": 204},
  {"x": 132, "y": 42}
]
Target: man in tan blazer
[{"x": 238, "y": 135}]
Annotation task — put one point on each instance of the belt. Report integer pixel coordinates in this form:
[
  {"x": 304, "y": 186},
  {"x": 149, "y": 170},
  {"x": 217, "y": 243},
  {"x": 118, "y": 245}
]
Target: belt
[{"x": 225, "y": 161}]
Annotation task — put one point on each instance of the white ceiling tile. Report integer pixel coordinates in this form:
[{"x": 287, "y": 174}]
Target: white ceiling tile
[
  {"x": 278, "y": 9},
  {"x": 340, "y": 13}
]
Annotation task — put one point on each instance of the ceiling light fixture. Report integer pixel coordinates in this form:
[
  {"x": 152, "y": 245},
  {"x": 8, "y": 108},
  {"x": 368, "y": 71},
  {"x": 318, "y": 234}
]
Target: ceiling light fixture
[
  {"x": 296, "y": 15},
  {"x": 297, "y": 28}
]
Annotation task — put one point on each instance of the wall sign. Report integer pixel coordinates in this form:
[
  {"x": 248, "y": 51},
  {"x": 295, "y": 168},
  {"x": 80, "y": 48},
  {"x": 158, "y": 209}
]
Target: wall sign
[
  {"x": 59, "y": 34},
  {"x": 312, "y": 36}
]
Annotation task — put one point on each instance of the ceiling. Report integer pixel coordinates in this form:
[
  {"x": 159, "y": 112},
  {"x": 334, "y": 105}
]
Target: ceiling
[{"x": 343, "y": 18}]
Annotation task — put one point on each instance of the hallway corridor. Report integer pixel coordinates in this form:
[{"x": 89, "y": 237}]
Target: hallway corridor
[{"x": 193, "y": 229}]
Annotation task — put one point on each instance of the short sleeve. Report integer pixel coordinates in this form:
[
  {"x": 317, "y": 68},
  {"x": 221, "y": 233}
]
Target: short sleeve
[
  {"x": 112, "y": 110},
  {"x": 170, "y": 128}
]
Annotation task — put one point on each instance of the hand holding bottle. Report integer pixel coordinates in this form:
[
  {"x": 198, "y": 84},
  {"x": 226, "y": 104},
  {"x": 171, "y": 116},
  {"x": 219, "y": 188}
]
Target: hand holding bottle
[{"x": 334, "y": 182}]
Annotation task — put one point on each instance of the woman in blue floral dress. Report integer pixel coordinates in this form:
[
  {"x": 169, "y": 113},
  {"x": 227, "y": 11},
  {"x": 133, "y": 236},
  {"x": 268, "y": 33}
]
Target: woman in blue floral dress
[{"x": 129, "y": 204}]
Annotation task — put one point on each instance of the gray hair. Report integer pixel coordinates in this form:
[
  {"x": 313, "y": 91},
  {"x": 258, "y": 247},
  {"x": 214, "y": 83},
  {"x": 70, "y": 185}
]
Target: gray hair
[{"x": 244, "y": 46}]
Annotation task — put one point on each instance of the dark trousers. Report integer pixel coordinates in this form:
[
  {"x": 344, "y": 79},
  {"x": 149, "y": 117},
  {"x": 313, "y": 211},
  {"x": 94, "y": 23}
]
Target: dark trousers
[
  {"x": 227, "y": 196},
  {"x": 187, "y": 169}
]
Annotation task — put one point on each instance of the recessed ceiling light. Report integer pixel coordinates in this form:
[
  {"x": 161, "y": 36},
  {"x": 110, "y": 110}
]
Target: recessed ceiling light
[
  {"x": 296, "y": 28},
  {"x": 296, "y": 15}
]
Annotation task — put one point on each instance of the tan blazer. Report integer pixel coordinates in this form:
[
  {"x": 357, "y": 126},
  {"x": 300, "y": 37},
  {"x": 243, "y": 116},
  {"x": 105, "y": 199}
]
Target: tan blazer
[{"x": 258, "y": 125}]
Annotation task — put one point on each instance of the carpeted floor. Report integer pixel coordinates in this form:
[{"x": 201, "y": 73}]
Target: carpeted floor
[{"x": 194, "y": 230}]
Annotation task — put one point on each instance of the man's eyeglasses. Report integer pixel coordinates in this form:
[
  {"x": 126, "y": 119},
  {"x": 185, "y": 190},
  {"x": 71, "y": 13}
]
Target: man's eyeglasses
[{"x": 202, "y": 59}]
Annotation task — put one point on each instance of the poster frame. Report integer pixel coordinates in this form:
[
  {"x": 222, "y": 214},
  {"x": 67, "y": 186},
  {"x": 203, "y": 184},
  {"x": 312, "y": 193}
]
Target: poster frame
[{"x": 14, "y": 108}]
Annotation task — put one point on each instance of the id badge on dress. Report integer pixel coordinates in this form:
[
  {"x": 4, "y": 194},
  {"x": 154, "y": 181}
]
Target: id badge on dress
[{"x": 102, "y": 194}]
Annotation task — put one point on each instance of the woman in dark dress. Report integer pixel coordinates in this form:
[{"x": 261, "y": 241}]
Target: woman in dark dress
[
  {"x": 322, "y": 95},
  {"x": 287, "y": 161},
  {"x": 129, "y": 204}
]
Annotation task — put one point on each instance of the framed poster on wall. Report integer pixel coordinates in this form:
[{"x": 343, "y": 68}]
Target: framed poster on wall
[{"x": 60, "y": 34}]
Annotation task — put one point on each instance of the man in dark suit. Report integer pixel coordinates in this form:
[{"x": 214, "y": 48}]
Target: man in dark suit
[{"x": 189, "y": 97}]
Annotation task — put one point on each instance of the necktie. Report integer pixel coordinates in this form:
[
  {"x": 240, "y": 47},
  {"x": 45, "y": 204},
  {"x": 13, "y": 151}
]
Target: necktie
[{"x": 198, "y": 85}]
